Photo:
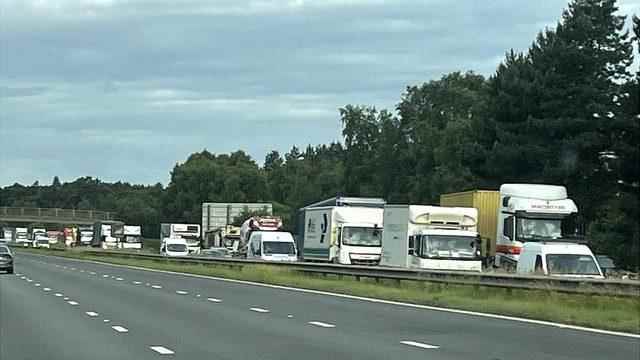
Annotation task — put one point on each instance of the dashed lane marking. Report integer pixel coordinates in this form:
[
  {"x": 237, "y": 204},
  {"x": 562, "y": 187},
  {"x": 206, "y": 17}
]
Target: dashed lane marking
[
  {"x": 156, "y": 287},
  {"x": 120, "y": 329},
  {"x": 72, "y": 303},
  {"x": 321, "y": 324},
  {"x": 182, "y": 292},
  {"x": 162, "y": 350},
  {"x": 91, "y": 314},
  {"x": 260, "y": 310},
  {"x": 419, "y": 345},
  {"x": 214, "y": 300}
]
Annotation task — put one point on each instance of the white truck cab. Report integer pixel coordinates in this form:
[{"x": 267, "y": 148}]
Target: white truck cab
[
  {"x": 174, "y": 247},
  {"x": 272, "y": 246},
  {"x": 561, "y": 259},
  {"x": 41, "y": 241},
  {"x": 529, "y": 212}
]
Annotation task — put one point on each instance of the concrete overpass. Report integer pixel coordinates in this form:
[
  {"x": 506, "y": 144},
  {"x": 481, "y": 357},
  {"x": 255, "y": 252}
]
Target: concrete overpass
[{"x": 53, "y": 216}]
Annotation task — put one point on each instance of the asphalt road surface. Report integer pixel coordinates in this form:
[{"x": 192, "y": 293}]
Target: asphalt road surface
[{"x": 55, "y": 308}]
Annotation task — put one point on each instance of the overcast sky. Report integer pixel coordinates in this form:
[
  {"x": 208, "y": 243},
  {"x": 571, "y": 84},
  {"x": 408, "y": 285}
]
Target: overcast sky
[{"x": 122, "y": 90}]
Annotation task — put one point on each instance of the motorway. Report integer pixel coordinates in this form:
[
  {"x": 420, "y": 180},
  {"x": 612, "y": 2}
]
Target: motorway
[{"x": 55, "y": 308}]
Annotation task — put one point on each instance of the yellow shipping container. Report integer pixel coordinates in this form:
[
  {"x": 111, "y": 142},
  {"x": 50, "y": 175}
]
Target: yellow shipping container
[{"x": 487, "y": 202}]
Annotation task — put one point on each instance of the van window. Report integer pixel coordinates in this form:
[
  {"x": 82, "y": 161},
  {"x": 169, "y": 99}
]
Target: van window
[{"x": 538, "y": 266}]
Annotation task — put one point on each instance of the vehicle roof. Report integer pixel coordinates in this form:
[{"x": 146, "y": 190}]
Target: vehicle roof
[
  {"x": 557, "y": 248},
  {"x": 276, "y": 236},
  {"x": 534, "y": 191}
]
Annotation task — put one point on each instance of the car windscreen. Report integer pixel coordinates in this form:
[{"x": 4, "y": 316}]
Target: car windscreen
[
  {"x": 131, "y": 239},
  {"x": 448, "y": 246},
  {"x": 4, "y": 250},
  {"x": 570, "y": 264},
  {"x": 362, "y": 236},
  {"x": 277, "y": 247},
  {"x": 177, "y": 247}
]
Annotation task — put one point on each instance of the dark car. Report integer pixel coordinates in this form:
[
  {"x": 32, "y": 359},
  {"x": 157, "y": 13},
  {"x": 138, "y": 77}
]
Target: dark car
[{"x": 6, "y": 259}]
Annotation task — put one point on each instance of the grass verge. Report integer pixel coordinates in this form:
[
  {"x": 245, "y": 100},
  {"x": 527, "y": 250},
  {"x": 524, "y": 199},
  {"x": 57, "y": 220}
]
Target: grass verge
[{"x": 602, "y": 312}]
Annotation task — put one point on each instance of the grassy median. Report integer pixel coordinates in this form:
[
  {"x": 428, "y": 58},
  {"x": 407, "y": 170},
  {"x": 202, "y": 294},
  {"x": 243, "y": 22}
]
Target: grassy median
[{"x": 602, "y": 312}]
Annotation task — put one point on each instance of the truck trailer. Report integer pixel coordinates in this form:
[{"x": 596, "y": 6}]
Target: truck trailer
[
  {"x": 131, "y": 237},
  {"x": 431, "y": 237},
  {"x": 107, "y": 234}
]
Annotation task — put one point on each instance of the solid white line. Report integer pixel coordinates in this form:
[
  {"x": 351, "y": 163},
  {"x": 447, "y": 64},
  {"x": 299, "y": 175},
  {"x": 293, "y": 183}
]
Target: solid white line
[
  {"x": 372, "y": 300},
  {"x": 214, "y": 300},
  {"x": 420, "y": 345},
  {"x": 321, "y": 324},
  {"x": 260, "y": 310},
  {"x": 73, "y": 303},
  {"x": 156, "y": 287},
  {"x": 180, "y": 292},
  {"x": 120, "y": 329},
  {"x": 91, "y": 313},
  {"x": 162, "y": 350},
  {"x": 46, "y": 289}
]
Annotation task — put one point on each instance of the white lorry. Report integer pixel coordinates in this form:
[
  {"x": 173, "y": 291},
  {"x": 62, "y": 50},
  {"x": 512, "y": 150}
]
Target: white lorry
[
  {"x": 431, "y": 237},
  {"x": 560, "y": 259},
  {"x": 132, "y": 237},
  {"x": 350, "y": 235},
  {"x": 529, "y": 212},
  {"x": 174, "y": 247},
  {"x": 85, "y": 235},
  {"x": 189, "y": 232},
  {"x": 22, "y": 236},
  {"x": 261, "y": 238}
]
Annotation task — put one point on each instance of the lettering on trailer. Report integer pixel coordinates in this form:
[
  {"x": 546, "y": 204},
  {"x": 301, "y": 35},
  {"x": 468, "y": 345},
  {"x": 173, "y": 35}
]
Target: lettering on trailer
[
  {"x": 324, "y": 227},
  {"x": 547, "y": 206},
  {"x": 311, "y": 226}
]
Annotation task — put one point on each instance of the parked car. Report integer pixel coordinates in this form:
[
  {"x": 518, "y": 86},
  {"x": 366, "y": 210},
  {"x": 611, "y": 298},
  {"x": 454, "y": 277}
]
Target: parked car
[{"x": 6, "y": 259}]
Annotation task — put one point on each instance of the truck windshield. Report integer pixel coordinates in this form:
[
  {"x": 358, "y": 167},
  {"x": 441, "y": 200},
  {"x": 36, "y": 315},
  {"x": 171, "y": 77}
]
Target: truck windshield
[
  {"x": 131, "y": 239},
  {"x": 278, "y": 247},
  {"x": 570, "y": 264},
  {"x": 448, "y": 246},
  {"x": 177, "y": 247},
  {"x": 361, "y": 236},
  {"x": 538, "y": 229}
]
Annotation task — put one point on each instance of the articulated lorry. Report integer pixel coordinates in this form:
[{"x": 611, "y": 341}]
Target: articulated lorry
[
  {"x": 22, "y": 236},
  {"x": 431, "y": 237},
  {"x": 107, "y": 234},
  {"x": 189, "y": 232},
  {"x": 223, "y": 236},
  {"x": 85, "y": 235},
  {"x": 516, "y": 214}
]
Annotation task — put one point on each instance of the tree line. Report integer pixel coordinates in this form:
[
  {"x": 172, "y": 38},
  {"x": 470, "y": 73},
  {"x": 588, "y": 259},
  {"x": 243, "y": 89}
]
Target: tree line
[{"x": 565, "y": 111}]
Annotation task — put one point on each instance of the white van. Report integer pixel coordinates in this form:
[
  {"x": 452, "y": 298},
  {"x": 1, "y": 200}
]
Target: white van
[
  {"x": 272, "y": 246},
  {"x": 558, "y": 259},
  {"x": 174, "y": 247}
]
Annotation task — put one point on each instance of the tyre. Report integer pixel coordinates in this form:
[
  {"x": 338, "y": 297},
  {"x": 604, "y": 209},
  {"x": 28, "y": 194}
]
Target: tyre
[{"x": 10, "y": 270}]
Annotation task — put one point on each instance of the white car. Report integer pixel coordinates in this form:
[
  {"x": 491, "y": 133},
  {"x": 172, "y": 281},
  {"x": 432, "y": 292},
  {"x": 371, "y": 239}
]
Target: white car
[
  {"x": 561, "y": 259},
  {"x": 174, "y": 247},
  {"x": 41, "y": 242}
]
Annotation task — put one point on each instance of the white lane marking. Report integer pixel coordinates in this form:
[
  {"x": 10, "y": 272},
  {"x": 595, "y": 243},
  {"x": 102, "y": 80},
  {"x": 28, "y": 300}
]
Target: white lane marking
[
  {"x": 17, "y": 274},
  {"x": 106, "y": 320},
  {"x": 29, "y": 280},
  {"x": 321, "y": 324},
  {"x": 92, "y": 272},
  {"x": 198, "y": 295},
  {"x": 289, "y": 316},
  {"x": 46, "y": 289},
  {"x": 119, "y": 279},
  {"x": 181, "y": 292},
  {"x": 65, "y": 299},
  {"x": 58, "y": 295},
  {"x": 37, "y": 285},
  {"x": 137, "y": 283},
  {"x": 214, "y": 300},
  {"x": 81, "y": 271},
  {"x": 147, "y": 284},
  {"x": 64, "y": 267},
  {"x": 23, "y": 277},
  {"x": 73, "y": 303},
  {"x": 73, "y": 269},
  {"x": 368, "y": 299},
  {"x": 420, "y": 345},
  {"x": 156, "y": 287},
  {"x": 91, "y": 313},
  {"x": 162, "y": 350},
  {"x": 260, "y": 310},
  {"x": 105, "y": 276},
  {"x": 120, "y": 329}
]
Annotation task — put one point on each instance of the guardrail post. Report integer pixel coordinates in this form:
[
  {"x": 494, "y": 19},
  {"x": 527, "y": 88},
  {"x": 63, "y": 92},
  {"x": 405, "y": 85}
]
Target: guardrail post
[
  {"x": 39, "y": 212},
  {"x": 21, "y": 211},
  {"x": 90, "y": 214},
  {"x": 73, "y": 213},
  {"x": 57, "y": 212}
]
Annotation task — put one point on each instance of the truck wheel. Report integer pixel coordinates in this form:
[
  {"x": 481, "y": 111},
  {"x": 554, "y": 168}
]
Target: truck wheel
[{"x": 10, "y": 271}]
